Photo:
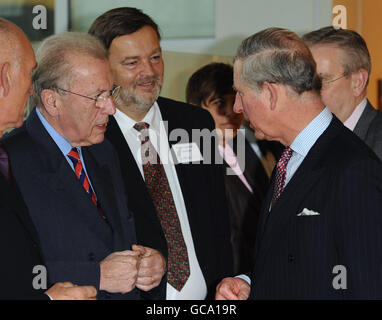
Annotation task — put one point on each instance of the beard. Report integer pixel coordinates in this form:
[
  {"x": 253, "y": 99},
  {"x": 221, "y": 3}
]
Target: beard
[{"x": 141, "y": 99}]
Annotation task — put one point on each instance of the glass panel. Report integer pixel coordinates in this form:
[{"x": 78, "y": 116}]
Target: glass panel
[
  {"x": 21, "y": 13},
  {"x": 176, "y": 18}
]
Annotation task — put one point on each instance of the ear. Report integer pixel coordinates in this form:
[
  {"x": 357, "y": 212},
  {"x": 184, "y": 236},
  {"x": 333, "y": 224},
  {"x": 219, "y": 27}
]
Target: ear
[
  {"x": 272, "y": 95},
  {"x": 359, "y": 81},
  {"x": 5, "y": 79},
  {"x": 51, "y": 101}
]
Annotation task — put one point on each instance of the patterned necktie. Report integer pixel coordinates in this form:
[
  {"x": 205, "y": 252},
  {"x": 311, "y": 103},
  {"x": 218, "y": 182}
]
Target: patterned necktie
[
  {"x": 281, "y": 174},
  {"x": 81, "y": 175},
  {"x": 178, "y": 270}
]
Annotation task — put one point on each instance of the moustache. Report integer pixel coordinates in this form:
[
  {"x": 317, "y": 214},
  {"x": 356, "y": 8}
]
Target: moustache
[{"x": 143, "y": 80}]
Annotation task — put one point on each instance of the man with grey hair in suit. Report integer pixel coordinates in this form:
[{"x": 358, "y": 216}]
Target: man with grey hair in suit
[
  {"x": 19, "y": 242},
  {"x": 318, "y": 235},
  {"x": 343, "y": 62}
]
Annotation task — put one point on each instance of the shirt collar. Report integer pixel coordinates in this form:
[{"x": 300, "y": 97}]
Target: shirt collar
[
  {"x": 152, "y": 117},
  {"x": 351, "y": 122},
  {"x": 307, "y": 137},
  {"x": 60, "y": 141}
]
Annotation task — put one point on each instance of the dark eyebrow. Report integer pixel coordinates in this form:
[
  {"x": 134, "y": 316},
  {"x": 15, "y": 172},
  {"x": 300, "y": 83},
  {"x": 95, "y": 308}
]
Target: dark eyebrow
[
  {"x": 129, "y": 58},
  {"x": 157, "y": 50}
]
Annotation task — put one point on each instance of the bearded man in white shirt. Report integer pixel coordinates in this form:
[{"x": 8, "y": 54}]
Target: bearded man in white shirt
[{"x": 178, "y": 202}]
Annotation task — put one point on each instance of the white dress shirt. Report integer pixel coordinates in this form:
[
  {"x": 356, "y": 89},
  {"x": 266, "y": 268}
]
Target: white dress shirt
[{"x": 195, "y": 287}]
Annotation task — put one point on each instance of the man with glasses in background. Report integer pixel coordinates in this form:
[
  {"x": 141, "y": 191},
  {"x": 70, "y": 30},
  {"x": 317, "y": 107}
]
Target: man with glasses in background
[
  {"x": 69, "y": 176},
  {"x": 343, "y": 62}
]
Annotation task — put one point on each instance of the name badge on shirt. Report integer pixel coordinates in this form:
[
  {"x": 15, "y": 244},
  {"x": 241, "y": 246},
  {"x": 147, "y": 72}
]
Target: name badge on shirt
[{"x": 187, "y": 152}]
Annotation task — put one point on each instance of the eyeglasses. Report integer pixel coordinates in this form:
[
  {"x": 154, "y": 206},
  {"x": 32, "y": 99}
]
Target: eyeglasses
[
  {"x": 103, "y": 96},
  {"x": 326, "y": 81}
]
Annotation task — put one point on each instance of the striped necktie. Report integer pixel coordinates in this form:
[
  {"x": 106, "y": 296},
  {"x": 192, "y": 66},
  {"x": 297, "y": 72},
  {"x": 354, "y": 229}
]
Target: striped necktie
[
  {"x": 82, "y": 177},
  {"x": 178, "y": 270}
]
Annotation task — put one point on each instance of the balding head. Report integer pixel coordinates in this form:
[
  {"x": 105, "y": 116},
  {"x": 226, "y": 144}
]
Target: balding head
[{"x": 17, "y": 61}]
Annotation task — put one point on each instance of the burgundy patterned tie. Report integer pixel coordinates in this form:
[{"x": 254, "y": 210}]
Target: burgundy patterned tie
[
  {"x": 81, "y": 175},
  {"x": 281, "y": 174},
  {"x": 178, "y": 270}
]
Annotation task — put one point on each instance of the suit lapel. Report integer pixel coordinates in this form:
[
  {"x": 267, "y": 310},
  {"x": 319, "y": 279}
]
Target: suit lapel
[
  {"x": 185, "y": 175},
  {"x": 129, "y": 166},
  {"x": 364, "y": 121},
  {"x": 56, "y": 174},
  {"x": 295, "y": 192},
  {"x": 100, "y": 178}
]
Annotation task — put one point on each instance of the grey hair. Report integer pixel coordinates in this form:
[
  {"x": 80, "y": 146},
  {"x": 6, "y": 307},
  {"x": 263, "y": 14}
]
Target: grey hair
[
  {"x": 54, "y": 67},
  {"x": 277, "y": 55},
  {"x": 356, "y": 54}
]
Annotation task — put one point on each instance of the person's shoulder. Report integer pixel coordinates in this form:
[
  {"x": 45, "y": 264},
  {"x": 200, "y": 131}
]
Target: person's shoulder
[
  {"x": 377, "y": 122},
  {"x": 348, "y": 149},
  {"x": 16, "y": 137}
]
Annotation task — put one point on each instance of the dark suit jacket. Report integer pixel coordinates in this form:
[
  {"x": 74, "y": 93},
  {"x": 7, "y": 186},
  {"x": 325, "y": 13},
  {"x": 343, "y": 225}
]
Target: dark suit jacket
[
  {"x": 20, "y": 248},
  {"x": 74, "y": 237},
  {"x": 203, "y": 192},
  {"x": 369, "y": 129},
  {"x": 341, "y": 179},
  {"x": 244, "y": 207}
]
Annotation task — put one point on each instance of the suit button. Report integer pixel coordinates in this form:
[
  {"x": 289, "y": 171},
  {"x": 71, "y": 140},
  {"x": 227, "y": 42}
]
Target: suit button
[
  {"x": 291, "y": 258},
  {"x": 91, "y": 256}
]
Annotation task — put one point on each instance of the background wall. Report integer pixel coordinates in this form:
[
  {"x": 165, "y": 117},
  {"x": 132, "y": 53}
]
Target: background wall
[
  {"x": 364, "y": 16},
  {"x": 197, "y": 32},
  {"x": 236, "y": 20}
]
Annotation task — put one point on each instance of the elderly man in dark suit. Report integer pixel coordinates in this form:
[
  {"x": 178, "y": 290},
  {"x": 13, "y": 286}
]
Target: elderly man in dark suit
[
  {"x": 343, "y": 63},
  {"x": 69, "y": 176},
  {"x": 319, "y": 234},
  {"x": 177, "y": 196},
  {"x": 19, "y": 241}
]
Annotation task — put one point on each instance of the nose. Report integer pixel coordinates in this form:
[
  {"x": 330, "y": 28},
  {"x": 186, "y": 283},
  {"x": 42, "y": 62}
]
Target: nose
[
  {"x": 108, "y": 106},
  {"x": 147, "y": 68},
  {"x": 238, "y": 105}
]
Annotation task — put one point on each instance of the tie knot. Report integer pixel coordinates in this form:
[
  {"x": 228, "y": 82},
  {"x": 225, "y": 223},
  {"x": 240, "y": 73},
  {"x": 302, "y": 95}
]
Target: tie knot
[
  {"x": 139, "y": 126},
  {"x": 287, "y": 153},
  {"x": 74, "y": 154},
  {"x": 285, "y": 157}
]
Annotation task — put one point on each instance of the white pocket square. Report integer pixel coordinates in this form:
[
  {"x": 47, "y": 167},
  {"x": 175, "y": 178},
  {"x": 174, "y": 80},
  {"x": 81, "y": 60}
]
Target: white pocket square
[{"x": 307, "y": 212}]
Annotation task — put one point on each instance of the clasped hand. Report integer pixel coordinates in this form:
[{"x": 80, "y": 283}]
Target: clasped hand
[{"x": 141, "y": 267}]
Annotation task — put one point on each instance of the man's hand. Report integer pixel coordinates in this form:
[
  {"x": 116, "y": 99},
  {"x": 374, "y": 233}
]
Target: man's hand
[
  {"x": 151, "y": 268},
  {"x": 232, "y": 289},
  {"x": 69, "y": 291},
  {"x": 119, "y": 271}
]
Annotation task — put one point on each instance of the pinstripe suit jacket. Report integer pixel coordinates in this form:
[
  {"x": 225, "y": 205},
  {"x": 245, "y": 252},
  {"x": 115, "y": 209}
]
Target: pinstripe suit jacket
[
  {"x": 369, "y": 129},
  {"x": 341, "y": 179}
]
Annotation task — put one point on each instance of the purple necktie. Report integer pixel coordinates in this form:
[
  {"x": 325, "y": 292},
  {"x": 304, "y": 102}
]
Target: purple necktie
[{"x": 4, "y": 164}]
